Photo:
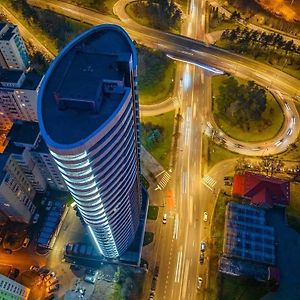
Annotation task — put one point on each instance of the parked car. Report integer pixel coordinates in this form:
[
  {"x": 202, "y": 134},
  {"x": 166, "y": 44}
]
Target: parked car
[
  {"x": 52, "y": 281},
  {"x": 153, "y": 284},
  {"x": 205, "y": 216},
  {"x": 13, "y": 273},
  {"x": 7, "y": 251},
  {"x": 53, "y": 288},
  {"x": 156, "y": 271},
  {"x": 35, "y": 218},
  {"x": 34, "y": 268},
  {"x": 26, "y": 242},
  {"x": 69, "y": 248}
]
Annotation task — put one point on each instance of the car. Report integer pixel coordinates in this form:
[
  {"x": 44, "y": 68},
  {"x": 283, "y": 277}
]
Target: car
[
  {"x": 49, "y": 205},
  {"x": 48, "y": 276},
  {"x": 202, "y": 246},
  {"x": 7, "y": 251},
  {"x": 34, "y": 268},
  {"x": 91, "y": 276},
  {"x": 199, "y": 283},
  {"x": 75, "y": 249},
  {"x": 53, "y": 288},
  {"x": 290, "y": 131},
  {"x": 153, "y": 284},
  {"x": 164, "y": 219},
  {"x": 205, "y": 216},
  {"x": 26, "y": 242},
  {"x": 35, "y": 218},
  {"x": 69, "y": 248},
  {"x": 52, "y": 281},
  {"x": 201, "y": 257},
  {"x": 13, "y": 273},
  {"x": 238, "y": 146}
]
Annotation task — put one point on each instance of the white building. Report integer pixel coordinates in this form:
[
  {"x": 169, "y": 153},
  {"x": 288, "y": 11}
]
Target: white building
[
  {"x": 13, "y": 53},
  {"x": 12, "y": 290},
  {"x": 16, "y": 192},
  {"x": 88, "y": 113},
  {"x": 18, "y": 96}
]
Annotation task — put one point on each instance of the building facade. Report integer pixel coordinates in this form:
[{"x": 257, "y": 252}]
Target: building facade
[
  {"x": 16, "y": 192},
  {"x": 12, "y": 290},
  {"x": 13, "y": 53},
  {"x": 18, "y": 96},
  {"x": 89, "y": 117}
]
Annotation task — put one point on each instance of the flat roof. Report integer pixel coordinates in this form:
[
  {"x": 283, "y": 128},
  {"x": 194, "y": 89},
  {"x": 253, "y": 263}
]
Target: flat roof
[
  {"x": 12, "y": 76},
  {"x": 80, "y": 78},
  {"x": 24, "y": 132}
]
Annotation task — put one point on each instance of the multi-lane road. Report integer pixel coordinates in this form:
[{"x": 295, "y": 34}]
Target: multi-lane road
[{"x": 178, "y": 254}]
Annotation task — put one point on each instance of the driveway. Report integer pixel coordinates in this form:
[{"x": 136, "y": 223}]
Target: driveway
[{"x": 287, "y": 256}]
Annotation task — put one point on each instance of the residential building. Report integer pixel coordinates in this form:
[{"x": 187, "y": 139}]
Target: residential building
[
  {"x": 261, "y": 190},
  {"x": 13, "y": 53},
  {"x": 18, "y": 96},
  {"x": 29, "y": 150},
  {"x": 16, "y": 192},
  {"x": 12, "y": 290},
  {"x": 89, "y": 117}
]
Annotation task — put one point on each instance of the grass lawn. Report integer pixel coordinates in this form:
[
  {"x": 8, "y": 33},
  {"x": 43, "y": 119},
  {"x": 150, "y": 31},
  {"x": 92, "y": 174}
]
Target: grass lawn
[
  {"x": 259, "y": 130},
  {"x": 156, "y": 75},
  {"x": 242, "y": 289},
  {"x": 217, "y": 25},
  {"x": 134, "y": 12},
  {"x": 148, "y": 238},
  {"x": 217, "y": 153},
  {"x": 152, "y": 212},
  {"x": 217, "y": 234},
  {"x": 161, "y": 150},
  {"x": 293, "y": 210}
]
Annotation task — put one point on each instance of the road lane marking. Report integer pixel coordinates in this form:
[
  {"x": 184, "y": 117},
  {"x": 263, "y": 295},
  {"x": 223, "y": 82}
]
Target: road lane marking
[
  {"x": 191, "y": 210},
  {"x": 176, "y": 227},
  {"x": 184, "y": 182},
  {"x": 185, "y": 278},
  {"x": 178, "y": 266}
]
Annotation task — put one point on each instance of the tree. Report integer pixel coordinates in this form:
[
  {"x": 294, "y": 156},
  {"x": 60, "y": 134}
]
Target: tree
[
  {"x": 242, "y": 166},
  {"x": 271, "y": 165}
]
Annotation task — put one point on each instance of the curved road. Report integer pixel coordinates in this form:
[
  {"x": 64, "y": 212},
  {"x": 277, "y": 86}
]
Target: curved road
[{"x": 287, "y": 135}]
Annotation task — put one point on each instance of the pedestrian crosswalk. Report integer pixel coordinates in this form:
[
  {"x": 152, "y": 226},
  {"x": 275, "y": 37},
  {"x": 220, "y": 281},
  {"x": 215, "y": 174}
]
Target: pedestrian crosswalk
[
  {"x": 164, "y": 180},
  {"x": 209, "y": 182}
]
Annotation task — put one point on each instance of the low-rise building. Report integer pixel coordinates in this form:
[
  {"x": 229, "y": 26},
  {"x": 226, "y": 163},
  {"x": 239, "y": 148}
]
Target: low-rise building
[
  {"x": 12, "y": 290},
  {"x": 261, "y": 190}
]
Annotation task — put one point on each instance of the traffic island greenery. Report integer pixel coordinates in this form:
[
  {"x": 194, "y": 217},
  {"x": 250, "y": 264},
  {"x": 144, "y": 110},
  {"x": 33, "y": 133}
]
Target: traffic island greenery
[
  {"x": 216, "y": 153},
  {"x": 218, "y": 21},
  {"x": 156, "y": 136},
  {"x": 217, "y": 236},
  {"x": 163, "y": 14},
  {"x": 244, "y": 110},
  {"x": 148, "y": 238},
  {"x": 242, "y": 289},
  {"x": 152, "y": 212},
  {"x": 271, "y": 48},
  {"x": 156, "y": 75}
]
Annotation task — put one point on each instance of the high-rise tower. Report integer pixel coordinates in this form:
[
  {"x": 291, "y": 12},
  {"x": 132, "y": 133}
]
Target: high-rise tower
[{"x": 89, "y": 117}]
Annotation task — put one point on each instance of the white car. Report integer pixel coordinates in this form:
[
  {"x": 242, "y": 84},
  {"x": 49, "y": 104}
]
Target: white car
[
  {"x": 26, "y": 242},
  {"x": 35, "y": 218},
  {"x": 164, "y": 219},
  {"x": 199, "y": 283},
  {"x": 205, "y": 216},
  {"x": 202, "y": 246}
]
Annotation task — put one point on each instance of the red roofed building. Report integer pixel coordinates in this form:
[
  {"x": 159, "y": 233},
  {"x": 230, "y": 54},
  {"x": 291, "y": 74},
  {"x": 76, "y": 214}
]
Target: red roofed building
[{"x": 261, "y": 190}]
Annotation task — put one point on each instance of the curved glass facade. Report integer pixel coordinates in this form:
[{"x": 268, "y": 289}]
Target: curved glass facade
[{"x": 101, "y": 168}]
